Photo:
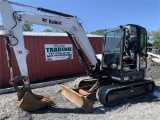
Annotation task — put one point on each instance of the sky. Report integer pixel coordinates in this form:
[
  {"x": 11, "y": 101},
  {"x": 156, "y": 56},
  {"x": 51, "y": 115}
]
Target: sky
[{"x": 102, "y": 14}]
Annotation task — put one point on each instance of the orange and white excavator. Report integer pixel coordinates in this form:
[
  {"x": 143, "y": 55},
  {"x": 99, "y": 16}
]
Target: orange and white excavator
[{"x": 116, "y": 75}]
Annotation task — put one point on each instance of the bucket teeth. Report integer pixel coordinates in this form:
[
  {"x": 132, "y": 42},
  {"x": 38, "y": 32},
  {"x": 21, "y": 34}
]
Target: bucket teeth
[{"x": 79, "y": 100}]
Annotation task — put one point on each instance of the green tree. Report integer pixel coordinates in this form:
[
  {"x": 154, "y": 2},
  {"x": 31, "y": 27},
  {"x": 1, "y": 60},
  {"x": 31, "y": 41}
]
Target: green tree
[
  {"x": 156, "y": 39},
  {"x": 156, "y": 44},
  {"x": 47, "y": 30},
  {"x": 55, "y": 30},
  {"x": 1, "y": 27},
  {"x": 149, "y": 44},
  {"x": 98, "y": 32},
  {"x": 156, "y": 35},
  {"x": 27, "y": 27}
]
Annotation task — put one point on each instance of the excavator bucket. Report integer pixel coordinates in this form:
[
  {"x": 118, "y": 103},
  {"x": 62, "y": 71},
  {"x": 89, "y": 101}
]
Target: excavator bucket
[
  {"x": 80, "y": 100},
  {"x": 32, "y": 102},
  {"x": 28, "y": 100}
]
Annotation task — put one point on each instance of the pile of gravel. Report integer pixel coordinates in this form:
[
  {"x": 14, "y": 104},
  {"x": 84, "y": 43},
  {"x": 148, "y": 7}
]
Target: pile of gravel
[{"x": 153, "y": 70}]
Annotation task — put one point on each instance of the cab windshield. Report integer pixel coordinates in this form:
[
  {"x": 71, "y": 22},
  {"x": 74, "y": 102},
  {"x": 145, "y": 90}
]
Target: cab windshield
[{"x": 112, "y": 48}]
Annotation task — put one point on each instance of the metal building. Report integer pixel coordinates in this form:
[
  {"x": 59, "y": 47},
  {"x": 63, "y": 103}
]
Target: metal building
[{"x": 38, "y": 67}]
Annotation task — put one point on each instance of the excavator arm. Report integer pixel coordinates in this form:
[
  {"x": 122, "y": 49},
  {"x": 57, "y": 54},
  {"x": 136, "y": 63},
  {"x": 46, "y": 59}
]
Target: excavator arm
[
  {"x": 13, "y": 31},
  {"x": 12, "y": 21}
]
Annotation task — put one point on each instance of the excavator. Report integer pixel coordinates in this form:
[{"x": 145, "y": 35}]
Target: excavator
[{"x": 115, "y": 75}]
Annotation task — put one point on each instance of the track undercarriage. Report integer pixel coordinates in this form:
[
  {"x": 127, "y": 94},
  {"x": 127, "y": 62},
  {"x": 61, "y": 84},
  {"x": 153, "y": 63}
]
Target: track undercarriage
[{"x": 108, "y": 93}]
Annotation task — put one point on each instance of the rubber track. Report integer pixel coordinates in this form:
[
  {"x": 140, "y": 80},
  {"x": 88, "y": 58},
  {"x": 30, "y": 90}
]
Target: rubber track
[{"x": 122, "y": 91}]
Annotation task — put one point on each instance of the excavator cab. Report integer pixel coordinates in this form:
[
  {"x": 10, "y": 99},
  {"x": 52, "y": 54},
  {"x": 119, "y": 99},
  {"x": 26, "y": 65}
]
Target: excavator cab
[{"x": 125, "y": 52}]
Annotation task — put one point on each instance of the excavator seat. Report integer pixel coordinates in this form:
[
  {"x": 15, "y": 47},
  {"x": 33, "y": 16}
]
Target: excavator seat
[{"x": 28, "y": 101}]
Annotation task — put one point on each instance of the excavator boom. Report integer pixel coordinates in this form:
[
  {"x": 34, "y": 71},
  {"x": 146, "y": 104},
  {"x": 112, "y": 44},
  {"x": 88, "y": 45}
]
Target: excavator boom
[{"x": 14, "y": 38}]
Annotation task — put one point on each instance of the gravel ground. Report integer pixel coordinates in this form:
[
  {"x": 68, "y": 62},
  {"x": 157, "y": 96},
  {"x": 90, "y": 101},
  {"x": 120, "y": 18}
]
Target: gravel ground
[{"x": 146, "y": 107}]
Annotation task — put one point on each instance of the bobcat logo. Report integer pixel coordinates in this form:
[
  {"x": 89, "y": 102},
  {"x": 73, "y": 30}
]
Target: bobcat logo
[{"x": 44, "y": 20}]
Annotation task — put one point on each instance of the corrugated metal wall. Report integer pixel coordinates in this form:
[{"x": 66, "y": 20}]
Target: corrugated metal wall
[{"x": 38, "y": 67}]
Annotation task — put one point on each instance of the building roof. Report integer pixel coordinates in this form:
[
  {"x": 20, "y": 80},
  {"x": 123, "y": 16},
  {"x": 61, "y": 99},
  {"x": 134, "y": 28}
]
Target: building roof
[{"x": 49, "y": 34}]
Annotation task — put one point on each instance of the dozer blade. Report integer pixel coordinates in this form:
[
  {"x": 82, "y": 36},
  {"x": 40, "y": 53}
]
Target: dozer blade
[
  {"x": 79, "y": 100},
  {"x": 32, "y": 102}
]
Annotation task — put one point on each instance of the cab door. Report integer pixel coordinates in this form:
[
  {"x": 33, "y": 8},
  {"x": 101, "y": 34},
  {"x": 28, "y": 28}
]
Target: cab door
[{"x": 143, "y": 49}]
